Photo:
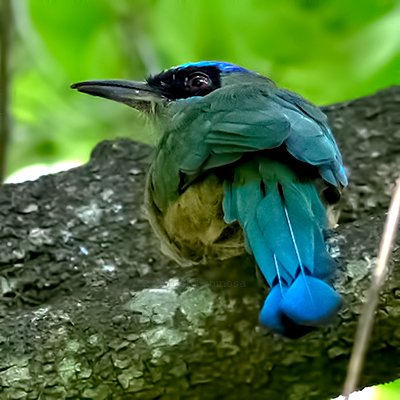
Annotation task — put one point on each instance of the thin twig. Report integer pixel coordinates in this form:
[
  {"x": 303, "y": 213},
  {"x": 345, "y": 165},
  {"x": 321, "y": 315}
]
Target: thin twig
[{"x": 367, "y": 316}]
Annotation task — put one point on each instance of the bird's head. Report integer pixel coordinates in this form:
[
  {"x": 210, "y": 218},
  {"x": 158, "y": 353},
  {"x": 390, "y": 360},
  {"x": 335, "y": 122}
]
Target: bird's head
[{"x": 181, "y": 84}]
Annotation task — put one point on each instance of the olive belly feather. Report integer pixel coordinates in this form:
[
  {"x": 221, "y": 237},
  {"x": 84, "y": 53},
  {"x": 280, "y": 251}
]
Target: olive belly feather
[{"x": 192, "y": 228}]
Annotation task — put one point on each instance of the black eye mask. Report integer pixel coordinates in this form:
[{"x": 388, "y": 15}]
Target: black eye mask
[{"x": 186, "y": 82}]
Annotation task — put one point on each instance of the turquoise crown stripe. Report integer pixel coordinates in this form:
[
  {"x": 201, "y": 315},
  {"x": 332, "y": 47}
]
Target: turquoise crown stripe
[{"x": 221, "y": 65}]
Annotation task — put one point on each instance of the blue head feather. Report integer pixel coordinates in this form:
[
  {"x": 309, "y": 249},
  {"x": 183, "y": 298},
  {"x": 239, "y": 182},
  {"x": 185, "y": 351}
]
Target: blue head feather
[{"x": 221, "y": 65}]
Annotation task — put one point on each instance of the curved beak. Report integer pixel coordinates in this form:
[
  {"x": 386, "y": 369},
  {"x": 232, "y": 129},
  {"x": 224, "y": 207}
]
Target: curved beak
[{"x": 138, "y": 95}]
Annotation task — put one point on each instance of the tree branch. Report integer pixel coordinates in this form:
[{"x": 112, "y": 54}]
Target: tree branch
[{"x": 91, "y": 309}]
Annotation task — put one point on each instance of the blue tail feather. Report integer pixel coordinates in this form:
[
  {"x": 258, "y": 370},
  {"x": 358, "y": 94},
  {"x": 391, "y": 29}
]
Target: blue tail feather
[
  {"x": 271, "y": 314},
  {"x": 275, "y": 233},
  {"x": 265, "y": 258},
  {"x": 298, "y": 213},
  {"x": 284, "y": 221},
  {"x": 310, "y": 301}
]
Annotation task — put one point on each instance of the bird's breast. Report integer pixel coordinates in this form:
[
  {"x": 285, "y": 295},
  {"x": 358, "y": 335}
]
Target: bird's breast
[{"x": 192, "y": 228}]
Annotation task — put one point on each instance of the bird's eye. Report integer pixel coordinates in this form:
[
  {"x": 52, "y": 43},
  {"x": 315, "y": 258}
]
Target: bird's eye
[{"x": 198, "y": 82}]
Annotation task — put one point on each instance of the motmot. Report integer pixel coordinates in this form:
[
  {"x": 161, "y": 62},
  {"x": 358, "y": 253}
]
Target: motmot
[{"x": 242, "y": 164}]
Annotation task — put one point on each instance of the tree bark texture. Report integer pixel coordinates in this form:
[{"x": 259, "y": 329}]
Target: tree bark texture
[{"x": 90, "y": 308}]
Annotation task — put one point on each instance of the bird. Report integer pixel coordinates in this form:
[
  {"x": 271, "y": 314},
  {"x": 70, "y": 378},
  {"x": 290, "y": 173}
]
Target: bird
[{"x": 242, "y": 165}]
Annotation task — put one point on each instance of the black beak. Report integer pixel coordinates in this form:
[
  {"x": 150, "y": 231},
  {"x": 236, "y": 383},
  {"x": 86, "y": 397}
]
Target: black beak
[{"x": 138, "y": 95}]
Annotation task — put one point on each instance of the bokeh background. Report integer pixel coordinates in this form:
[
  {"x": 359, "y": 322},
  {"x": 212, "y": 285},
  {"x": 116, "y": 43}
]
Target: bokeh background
[{"x": 327, "y": 50}]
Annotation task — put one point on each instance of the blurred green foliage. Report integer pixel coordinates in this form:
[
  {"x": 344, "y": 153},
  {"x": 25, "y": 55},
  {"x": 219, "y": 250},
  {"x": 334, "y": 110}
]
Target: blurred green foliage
[
  {"x": 328, "y": 50},
  {"x": 389, "y": 391}
]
